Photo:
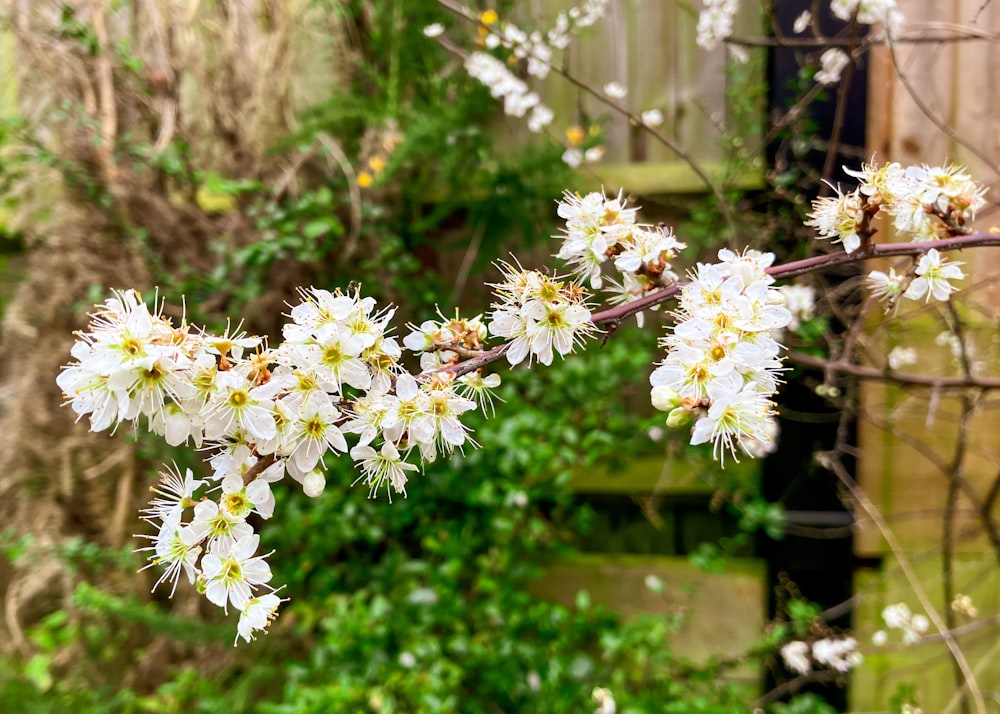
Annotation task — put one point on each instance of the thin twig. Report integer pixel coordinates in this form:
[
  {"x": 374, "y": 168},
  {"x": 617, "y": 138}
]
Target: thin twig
[
  {"x": 831, "y": 460},
  {"x": 262, "y": 464},
  {"x": 616, "y": 314},
  {"x": 885, "y": 375},
  {"x": 937, "y": 121}
]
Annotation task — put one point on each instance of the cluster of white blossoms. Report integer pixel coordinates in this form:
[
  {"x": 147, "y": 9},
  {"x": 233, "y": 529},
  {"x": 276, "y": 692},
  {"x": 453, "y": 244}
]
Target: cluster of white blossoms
[
  {"x": 263, "y": 413},
  {"x": 832, "y": 63},
  {"x": 444, "y": 342},
  {"x": 715, "y": 23},
  {"x": 722, "y": 362},
  {"x": 215, "y": 547},
  {"x": 838, "y": 653},
  {"x": 898, "y": 617},
  {"x": 925, "y": 202},
  {"x": 600, "y": 229},
  {"x": 514, "y": 91},
  {"x": 536, "y": 49},
  {"x": 869, "y": 12},
  {"x": 538, "y": 314}
]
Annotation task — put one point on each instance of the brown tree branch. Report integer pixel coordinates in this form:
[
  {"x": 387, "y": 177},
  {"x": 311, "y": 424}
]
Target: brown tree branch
[{"x": 614, "y": 315}]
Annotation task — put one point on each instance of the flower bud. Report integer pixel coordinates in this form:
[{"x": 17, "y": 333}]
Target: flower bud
[
  {"x": 313, "y": 484},
  {"x": 664, "y": 398},
  {"x": 678, "y": 417}
]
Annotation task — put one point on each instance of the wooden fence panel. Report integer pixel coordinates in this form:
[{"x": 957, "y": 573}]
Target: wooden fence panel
[
  {"x": 958, "y": 85},
  {"x": 649, "y": 47}
]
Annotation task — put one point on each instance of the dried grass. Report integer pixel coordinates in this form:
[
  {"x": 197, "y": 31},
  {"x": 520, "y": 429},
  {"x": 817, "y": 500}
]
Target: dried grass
[{"x": 220, "y": 78}]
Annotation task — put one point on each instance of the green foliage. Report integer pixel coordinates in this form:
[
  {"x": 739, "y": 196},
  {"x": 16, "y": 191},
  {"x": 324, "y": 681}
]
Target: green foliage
[
  {"x": 805, "y": 704},
  {"x": 802, "y": 613},
  {"x": 760, "y": 514}
]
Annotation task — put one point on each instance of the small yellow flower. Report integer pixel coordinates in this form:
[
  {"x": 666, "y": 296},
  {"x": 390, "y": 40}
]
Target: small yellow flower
[
  {"x": 376, "y": 164},
  {"x": 575, "y": 136},
  {"x": 489, "y": 17},
  {"x": 365, "y": 179}
]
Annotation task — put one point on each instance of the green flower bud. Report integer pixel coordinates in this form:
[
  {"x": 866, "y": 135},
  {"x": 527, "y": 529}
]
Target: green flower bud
[{"x": 678, "y": 417}]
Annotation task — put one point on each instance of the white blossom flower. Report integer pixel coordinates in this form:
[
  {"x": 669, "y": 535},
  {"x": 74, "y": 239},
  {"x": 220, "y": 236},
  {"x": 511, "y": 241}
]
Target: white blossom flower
[
  {"x": 439, "y": 423},
  {"x": 760, "y": 445},
  {"x": 218, "y": 524},
  {"x": 897, "y": 616},
  {"x": 839, "y": 653},
  {"x": 231, "y": 571},
  {"x": 537, "y": 314},
  {"x": 369, "y": 411},
  {"x": 478, "y": 387},
  {"x": 239, "y": 405},
  {"x": 257, "y": 614},
  {"x": 796, "y": 656},
  {"x": 832, "y": 63},
  {"x": 383, "y": 466},
  {"x": 175, "y": 493},
  {"x": 403, "y": 415},
  {"x": 912, "y": 625},
  {"x": 933, "y": 274},
  {"x": 503, "y": 84},
  {"x": 435, "y": 29},
  {"x": 715, "y": 22},
  {"x": 800, "y": 301},
  {"x": 615, "y": 90},
  {"x": 541, "y": 117},
  {"x": 900, "y": 357},
  {"x": 962, "y": 604},
  {"x": 572, "y": 157},
  {"x": 733, "y": 417},
  {"x": 652, "y": 118},
  {"x": 595, "y": 224},
  {"x": 867, "y": 12},
  {"x": 930, "y": 198},
  {"x": 241, "y": 500},
  {"x": 177, "y": 547},
  {"x": 838, "y": 217},
  {"x": 802, "y": 22},
  {"x": 722, "y": 362},
  {"x": 885, "y": 285},
  {"x": 884, "y": 185},
  {"x": 314, "y": 483},
  {"x": 314, "y": 432},
  {"x": 631, "y": 288}
]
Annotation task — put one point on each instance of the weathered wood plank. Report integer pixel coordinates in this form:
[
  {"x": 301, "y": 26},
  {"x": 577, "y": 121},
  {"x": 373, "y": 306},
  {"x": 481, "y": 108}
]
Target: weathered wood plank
[
  {"x": 649, "y": 47},
  {"x": 723, "y": 613},
  {"x": 959, "y": 84}
]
